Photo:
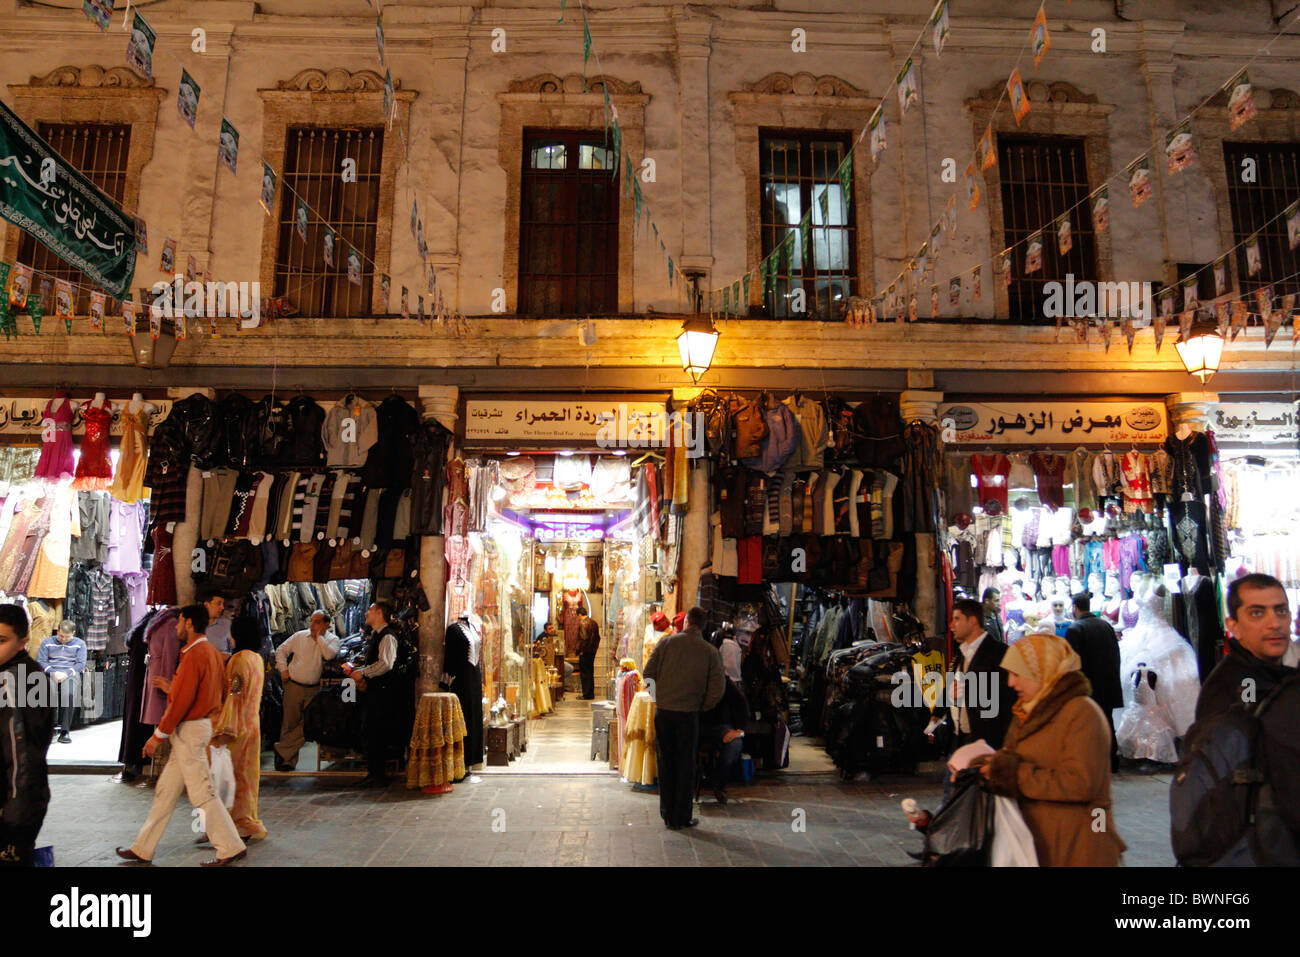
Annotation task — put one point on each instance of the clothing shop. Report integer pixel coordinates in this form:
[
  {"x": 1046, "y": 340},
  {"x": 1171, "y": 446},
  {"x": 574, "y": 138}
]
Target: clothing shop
[{"x": 561, "y": 547}]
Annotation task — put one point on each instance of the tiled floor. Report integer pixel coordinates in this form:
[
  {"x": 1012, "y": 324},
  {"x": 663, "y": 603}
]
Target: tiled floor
[{"x": 801, "y": 819}]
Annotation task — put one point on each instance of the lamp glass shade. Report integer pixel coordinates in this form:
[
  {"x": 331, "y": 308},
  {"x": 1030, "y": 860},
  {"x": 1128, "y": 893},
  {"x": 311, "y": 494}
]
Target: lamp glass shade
[
  {"x": 696, "y": 343},
  {"x": 1201, "y": 352}
]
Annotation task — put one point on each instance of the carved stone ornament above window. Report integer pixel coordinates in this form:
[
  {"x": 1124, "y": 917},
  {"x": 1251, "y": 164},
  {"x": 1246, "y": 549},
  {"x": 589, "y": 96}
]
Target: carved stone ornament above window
[
  {"x": 1041, "y": 92},
  {"x": 92, "y": 76},
  {"x": 804, "y": 84},
  {"x": 572, "y": 83},
  {"x": 1277, "y": 99},
  {"x": 336, "y": 81}
]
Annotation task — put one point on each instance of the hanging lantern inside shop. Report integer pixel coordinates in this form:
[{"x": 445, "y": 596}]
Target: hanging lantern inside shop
[
  {"x": 696, "y": 343},
  {"x": 1201, "y": 350},
  {"x": 150, "y": 351}
]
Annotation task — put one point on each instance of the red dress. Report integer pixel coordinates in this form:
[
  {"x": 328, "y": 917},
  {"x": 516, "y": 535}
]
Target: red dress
[
  {"x": 56, "y": 442},
  {"x": 94, "y": 469},
  {"x": 991, "y": 473}
]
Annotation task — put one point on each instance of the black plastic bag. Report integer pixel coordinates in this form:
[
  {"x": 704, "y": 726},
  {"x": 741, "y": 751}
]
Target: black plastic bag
[{"x": 961, "y": 833}]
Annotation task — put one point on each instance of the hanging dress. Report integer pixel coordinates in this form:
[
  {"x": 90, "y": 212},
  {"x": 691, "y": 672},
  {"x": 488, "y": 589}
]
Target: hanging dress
[
  {"x": 573, "y": 600},
  {"x": 56, "y": 461},
  {"x": 50, "y": 575},
  {"x": 128, "y": 484},
  {"x": 94, "y": 469}
]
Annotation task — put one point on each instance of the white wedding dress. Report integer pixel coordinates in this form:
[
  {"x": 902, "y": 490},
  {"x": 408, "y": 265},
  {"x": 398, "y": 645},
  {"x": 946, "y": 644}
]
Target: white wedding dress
[{"x": 1145, "y": 728}]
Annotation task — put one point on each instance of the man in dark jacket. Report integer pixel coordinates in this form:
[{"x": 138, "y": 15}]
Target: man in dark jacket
[
  {"x": 684, "y": 677},
  {"x": 993, "y": 614},
  {"x": 26, "y": 727},
  {"x": 981, "y": 698},
  {"x": 1259, "y": 625},
  {"x": 1094, "y": 641},
  {"x": 588, "y": 642}
]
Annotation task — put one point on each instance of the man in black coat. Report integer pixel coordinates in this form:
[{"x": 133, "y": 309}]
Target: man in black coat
[
  {"x": 980, "y": 698},
  {"x": 1259, "y": 621},
  {"x": 1095, "y": 642},
  {"x": 26, "y": 728}
]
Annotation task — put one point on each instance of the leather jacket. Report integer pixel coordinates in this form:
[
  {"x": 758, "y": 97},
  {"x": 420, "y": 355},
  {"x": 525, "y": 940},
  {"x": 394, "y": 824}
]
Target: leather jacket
[
  {"x": 306, "y": 447},
  {"x": 25, "y": 734},
  {"x": 197, "y": 414},
  {"x": 239, "y": 432}
]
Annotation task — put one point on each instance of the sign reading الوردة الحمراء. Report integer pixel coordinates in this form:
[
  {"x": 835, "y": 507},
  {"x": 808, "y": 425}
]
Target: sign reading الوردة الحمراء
[
  {"x": 585, "y": 421},
  {"x": 1053, "y": 423},
  {"x": 42, "y": 194}
]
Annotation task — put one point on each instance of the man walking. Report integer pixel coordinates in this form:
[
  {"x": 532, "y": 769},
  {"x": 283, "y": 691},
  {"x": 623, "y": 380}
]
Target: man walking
[
  {"x": 1259, "y": 629},
  {"x": 193, "y": 702},
  {"x": 375, "y": 679},
  {"x": 299, "y": 661},
  {"x": 26, "y": 726},
  {"x": 1095, "y": 642},
  {"x": 981, "y": 698},
  {"x": 62, "y": 656},
  {"x": 588, "y": 642},
  {"x": 685, "y": 677}
]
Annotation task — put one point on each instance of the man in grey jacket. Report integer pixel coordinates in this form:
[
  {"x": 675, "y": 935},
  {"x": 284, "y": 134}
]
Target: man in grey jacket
[{"x": 684, "y": 677}]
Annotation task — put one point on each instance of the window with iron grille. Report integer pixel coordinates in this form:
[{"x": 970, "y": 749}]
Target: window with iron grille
[
  {"x": 99, "y": 151},
  {"x": 797, "y": 177},
  {"x": 1257, "y": 210},
  {"x": 1042, "y": 178},
  {"x": 313, "y": 161},
  {"x": 568, "y": 225}
]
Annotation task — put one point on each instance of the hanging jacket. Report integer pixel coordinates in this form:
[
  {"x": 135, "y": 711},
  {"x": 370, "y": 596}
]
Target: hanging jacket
[
  {"x": 783, "y": 437},
  {"x": 197, "y": 416},
  {"x": 749, "y": 427},
  {"x": 390, "y": 462},
  {"x": 269, "y": 421},
  {"x": 238, "y": 435},
  {"x": 305, "y": 448},
  {"x": 427, "y": 479}
]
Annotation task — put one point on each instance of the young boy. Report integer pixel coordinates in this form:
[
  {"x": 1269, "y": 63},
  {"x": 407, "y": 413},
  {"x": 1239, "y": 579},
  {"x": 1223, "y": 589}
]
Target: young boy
[{"x": 26, "y": 726}]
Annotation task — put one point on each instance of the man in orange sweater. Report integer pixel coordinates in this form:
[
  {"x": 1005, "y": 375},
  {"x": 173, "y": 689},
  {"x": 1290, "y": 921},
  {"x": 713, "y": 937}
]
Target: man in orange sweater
[{"x": 193, "y": 701}]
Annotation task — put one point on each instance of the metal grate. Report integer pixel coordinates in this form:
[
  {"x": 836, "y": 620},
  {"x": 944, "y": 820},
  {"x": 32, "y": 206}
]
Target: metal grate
[
  {"x": 1276, "y": 186},
  {"x": 795, "y": 170},
  {"x": 313, "y": 166},
  {"x": 1042, "y": 177},
  {"x": 568, "y": 225},
  {"x": 99, "y": 151}
]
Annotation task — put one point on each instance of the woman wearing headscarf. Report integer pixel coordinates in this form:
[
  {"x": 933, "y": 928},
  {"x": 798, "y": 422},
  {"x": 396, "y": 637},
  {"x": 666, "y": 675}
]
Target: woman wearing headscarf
[
  {"x": 240, "y": 724},
  {"x": 1055, "y": 759},
  {"x": 722, "y": 730}
]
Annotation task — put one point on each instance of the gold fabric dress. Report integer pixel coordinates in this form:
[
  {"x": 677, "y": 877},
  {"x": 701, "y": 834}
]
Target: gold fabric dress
[
  {"x": 639, "y": 764},
  {"x": 437, "y": 752},
  {"x": 128, "y": 483},
  {"x": 241, "y": 717}
]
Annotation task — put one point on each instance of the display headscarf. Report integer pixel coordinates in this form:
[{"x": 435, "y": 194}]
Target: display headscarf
[
  {"x": 1044, "y": 658},
  {"x": 730, "y": 652}
]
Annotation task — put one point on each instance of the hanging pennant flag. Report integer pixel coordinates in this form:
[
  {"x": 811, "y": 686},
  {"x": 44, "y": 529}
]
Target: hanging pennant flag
[
  {"x": 20, "y": 284},
  {"x": 879, "y": 136},
  {"x": 936, "y": 241},
  {"x": 1158, "y": 328},
  {"x": 900, "y": 308},
  {"x": 1272, "y": 322},
  {"x": 330, "y": 239},
  {"x": 47, "y": 288},
  {"x": 1292, "y": 214},
  {"x": 1080, "y": 327},
  {"x": 228, "y": 151},
  {"x": 629, "y": 177},
  {"x": 268, "y": 187},
  {"x": 616, "y": 135},
  {"x": 187, "y": 98},
  {"x": 671, "y": 270},
  {"x": 415, "y": 218},
  {"x": 845, "y": 172},
  {"x": 1064, "y": 234},
  {"x": 976, "y": 284},
  {"x": 1139, "y": 179},
  {"x": 1003, "y": 269},
  {"x": 586, "y": 48},
  {"x": 1264, "y": 299},
  {"x": 386, "y": 292},
  {"x": 1180, "y": 151},
  {"x": 1239, "y": 318},
  {"x": 1166, "y": 297},
  {"x": 1041, "y": 41},
  {"x": 178, "y": 323},
  {"x": 419, "y": 308},
  {"x": 805, "y": 250},
  {"x": 167, "y": 259},
  {"x": 988, "y": 155},
  {"x": 354, "y": 266},
  {"x": 379, "y": 37},
  {"x": 389, "y": 98},
  {"x": 912, "y": 312},
  {"x": 156, "y": 317},
  {"x": 637, "y": 198},
  {"x": 906, "y": 83},
  {"x": 1019, "y": 98},
  {"x": 300, "y": 219},
  {"x": 954, "y": 291},
  {"x": 939, "y": 19},
  {"x": 1107, "y": 328},
  {"x": 99, "y": 12},
  {"x": 950, "y": 216},
  {"x": 735, "y": 297},
  {"x": 1034, "y": 252},
  {"x": 1241, "y": 101},
  {"x": 139, "y": 47},
  {"x": 191, "y": 268},
  {"x": 823, "y": 203},
  {"x": 421, "y": 246},
  {"x": 7, "y": 324},
  {"x": 406, "y": 308},
  {"x": 1220, "y": 276},
  {"x": 1129, "y": 332},
  {"x": 787, "y": 253},
  {"x": 744, "y": 292},
  {"x": 141, "y": 238},
  {"x": 1101, "y": 210},
  {"x": 972, "y": 187},
  {"x": 1190, "y": 300},
  {"x": 433, "y": 281},
  {"x": 63, "y": 303},
  {"x": 1222, "y": 318},
  {"x": 726, "y": 300},
  {"x": 130, "y": 312},
  {"x": 96, "y": 311},
  {"x": 1295, "y": 328},
  {"x": 562, "y": 3},
  {"x": 934, "y": 302},
  {"x": 1252, "y": 255}
]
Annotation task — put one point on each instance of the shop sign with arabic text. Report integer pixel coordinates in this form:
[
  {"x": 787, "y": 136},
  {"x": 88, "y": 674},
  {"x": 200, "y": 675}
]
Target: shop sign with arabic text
[
  {"x": 577, "y": 421},
  {"x": 1052, "y": 423}
]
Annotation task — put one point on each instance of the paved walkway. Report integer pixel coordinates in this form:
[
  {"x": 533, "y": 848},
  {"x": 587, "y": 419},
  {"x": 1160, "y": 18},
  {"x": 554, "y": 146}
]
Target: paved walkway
[{"x": 531, "y": 819}]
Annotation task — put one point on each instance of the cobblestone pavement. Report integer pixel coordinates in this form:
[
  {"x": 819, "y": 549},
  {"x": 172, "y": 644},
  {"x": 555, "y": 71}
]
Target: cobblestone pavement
[{"x": 556, "y": 820}]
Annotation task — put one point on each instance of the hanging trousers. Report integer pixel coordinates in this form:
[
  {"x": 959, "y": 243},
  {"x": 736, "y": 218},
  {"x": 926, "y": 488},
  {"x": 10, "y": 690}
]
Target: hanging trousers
[{"x": 677, "y": 736}]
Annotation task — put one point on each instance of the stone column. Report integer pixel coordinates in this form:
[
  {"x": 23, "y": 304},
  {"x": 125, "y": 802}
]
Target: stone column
[
  {"x": 928, "y": 605},
  {"x": 440, "y": 404},
  {"x": 695, "y": 528},
  {"x": 186, "y": 534},
  {"x": 694, "y": 45},
  {"x": 1189, "y": 411}
]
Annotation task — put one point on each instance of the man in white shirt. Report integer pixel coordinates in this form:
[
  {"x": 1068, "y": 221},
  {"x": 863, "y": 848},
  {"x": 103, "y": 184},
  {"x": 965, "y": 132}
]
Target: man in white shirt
[
  {"x": 299, "y": 661},
  {"x": 981, "y": 698}
]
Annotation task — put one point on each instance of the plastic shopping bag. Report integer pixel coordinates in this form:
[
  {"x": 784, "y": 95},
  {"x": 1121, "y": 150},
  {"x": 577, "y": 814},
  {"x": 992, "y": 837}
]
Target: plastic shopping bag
[
  {"x": 1013, "y": 845},
  {"x": 961, "y": 832},
  {"x": 222, "y": 769}
]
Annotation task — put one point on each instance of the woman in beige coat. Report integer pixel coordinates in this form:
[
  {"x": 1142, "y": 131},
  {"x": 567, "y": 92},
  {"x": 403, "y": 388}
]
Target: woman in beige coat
[{"x": 1056, "y": 757}]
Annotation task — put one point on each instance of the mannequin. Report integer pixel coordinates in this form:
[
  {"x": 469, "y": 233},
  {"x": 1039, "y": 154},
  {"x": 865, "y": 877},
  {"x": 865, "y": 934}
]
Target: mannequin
[
  {"x": 138, "y": 403},
  {"x": 61, "y": 398},
  {"x": 1059, "y": 621},
  {"x": 99, "y": 400}
]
